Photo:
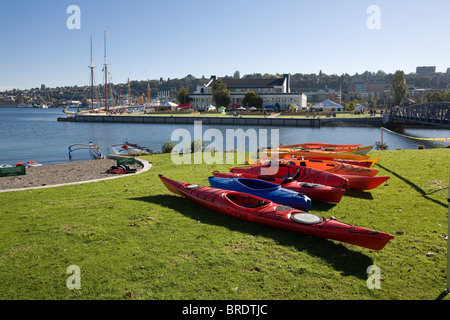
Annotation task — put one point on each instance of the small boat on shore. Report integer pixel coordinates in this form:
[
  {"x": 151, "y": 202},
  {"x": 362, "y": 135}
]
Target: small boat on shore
[
  {"x": 130, "y": 149},
  {"x": 33, "y": 164},
  {"x": 262, "y": 211},
  {"x": 94, "y": 150}
]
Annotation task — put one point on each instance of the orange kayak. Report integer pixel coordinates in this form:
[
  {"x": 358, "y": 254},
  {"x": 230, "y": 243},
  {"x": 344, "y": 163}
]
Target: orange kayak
[
  {"x": 362, "y": 163},
  {"x": 322, "y": 145},
  {"x": 333, "y": 167},
  {"x": 357, "y": 150},
  {"x": 305, "y": 153}
]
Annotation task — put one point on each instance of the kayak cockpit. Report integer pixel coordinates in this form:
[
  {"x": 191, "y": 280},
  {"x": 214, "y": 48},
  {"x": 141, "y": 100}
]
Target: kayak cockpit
[
  {"x": 247, "y": 201},
  {"x": 257, "y": 184}
]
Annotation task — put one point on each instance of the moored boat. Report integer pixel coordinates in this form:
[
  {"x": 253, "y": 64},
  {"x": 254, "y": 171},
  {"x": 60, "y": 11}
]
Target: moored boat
[{"x": 262, "y": 211}]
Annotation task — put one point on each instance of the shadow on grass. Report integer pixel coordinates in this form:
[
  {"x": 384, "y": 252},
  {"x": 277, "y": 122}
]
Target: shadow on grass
[
  {"x": 416, "y": 187},
  {"x": 341, "y": 258},
  {"x": 358, "y": 194}
]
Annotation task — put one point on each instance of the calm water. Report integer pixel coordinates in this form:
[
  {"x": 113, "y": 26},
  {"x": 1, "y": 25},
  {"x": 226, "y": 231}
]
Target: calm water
[{"x": 35, "y": 134}]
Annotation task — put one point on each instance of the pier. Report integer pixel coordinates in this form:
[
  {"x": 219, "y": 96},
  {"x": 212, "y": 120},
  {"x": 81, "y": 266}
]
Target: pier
[
  {"x": 432, "y": 113},
  {"x": 232, "y": 121}
]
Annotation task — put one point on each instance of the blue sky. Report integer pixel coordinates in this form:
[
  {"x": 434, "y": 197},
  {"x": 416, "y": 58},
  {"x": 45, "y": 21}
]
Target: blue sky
[{"x": 174, "y": 38}]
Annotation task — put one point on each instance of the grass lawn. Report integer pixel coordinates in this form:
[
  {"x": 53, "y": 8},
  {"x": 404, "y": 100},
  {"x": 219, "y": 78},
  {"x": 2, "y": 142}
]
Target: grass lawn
[{"x": 133, "y": 239}]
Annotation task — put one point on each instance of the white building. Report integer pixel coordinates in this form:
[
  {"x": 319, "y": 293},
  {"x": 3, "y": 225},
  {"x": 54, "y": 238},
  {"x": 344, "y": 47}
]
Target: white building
[{"x": 271, "y": 91}]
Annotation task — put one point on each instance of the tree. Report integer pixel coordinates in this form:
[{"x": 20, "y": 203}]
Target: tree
[
  {"x": 398, "y": 87},
  {"x": 183, "y": 95},
  {"x": 350, "y": 106},
  {"x": 221, "y": 94},
  {"x": 252, "y": 99}
]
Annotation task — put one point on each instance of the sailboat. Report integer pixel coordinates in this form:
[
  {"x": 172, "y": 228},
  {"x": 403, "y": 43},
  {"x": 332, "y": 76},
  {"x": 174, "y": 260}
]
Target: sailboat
[{"x": 106, "y": 109}]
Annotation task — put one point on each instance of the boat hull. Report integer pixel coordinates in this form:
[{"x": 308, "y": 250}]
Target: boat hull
[{"x": 271, "y": 214}]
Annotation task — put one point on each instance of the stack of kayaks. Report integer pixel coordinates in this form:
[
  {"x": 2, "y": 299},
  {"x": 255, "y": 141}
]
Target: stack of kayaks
[
  {"x": 315, "y": 191},
  {"x": 280, "y": 192},
  {"x": 264, "y": 189},
  {"x": 263, "y": 211}
]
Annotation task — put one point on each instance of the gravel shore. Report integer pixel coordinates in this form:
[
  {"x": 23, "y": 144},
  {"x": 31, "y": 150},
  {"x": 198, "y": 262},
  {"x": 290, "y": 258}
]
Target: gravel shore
[{"x": 61, "y": 173}]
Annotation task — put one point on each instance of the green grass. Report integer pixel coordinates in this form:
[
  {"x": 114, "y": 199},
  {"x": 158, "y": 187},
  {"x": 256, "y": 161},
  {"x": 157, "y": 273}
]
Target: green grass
[{"x": 133, "y": 239}]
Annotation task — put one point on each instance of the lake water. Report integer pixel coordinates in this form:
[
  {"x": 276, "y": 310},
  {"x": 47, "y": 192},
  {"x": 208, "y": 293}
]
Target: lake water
[{"x": 35, "y": 134}]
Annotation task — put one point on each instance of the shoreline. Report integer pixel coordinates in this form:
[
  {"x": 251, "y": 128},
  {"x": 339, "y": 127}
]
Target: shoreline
[{"x": 54, "y": 175}]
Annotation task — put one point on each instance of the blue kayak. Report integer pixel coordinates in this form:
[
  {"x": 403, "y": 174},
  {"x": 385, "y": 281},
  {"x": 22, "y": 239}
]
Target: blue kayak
[{"x": 263, "y": 189}]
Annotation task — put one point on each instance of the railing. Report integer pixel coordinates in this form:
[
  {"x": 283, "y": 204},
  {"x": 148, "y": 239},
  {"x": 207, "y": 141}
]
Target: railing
[{"x": 432, "y": 113}]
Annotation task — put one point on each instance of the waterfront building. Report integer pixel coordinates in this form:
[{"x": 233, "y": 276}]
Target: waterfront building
[
  {"x": 425, "y": 71},
  {"x": 273, "y": 92},
  {"x": 324, "y": 94}
]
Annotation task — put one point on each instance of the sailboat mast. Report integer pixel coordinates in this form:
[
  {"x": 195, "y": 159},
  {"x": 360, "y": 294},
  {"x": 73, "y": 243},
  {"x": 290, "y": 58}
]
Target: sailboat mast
[
  {"x": 106, "y": 78},
  {"x": 128, "y": 93},
  {"x": 92, "y": 79},
  {"x": 148, "y": 90}
]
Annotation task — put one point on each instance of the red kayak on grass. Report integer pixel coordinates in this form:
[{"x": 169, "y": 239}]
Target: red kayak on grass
[
  {"x": 355, "y": 182},
  {"x": 281, "y": 171},
  {"x": 333, "y": 167},
  {"x": 258, "y": 210},
  {"x": 315, "y": 191}
]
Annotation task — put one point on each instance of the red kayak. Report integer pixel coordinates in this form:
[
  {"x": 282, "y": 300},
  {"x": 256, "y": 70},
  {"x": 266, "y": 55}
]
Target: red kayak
[
  {"x": 316, "y": 192},
  {"x": 258, "y": 210},
  {"x": 333, "y": 167},
  {"x": 355, "y": 182},
  {"x": 293, "y": 172}
]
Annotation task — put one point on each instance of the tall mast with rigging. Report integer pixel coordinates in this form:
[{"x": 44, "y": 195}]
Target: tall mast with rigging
[
  {"x": 148, "y": 91},
  {"x": 92, "y": 79},
  {"x": 106, "y": 78}
]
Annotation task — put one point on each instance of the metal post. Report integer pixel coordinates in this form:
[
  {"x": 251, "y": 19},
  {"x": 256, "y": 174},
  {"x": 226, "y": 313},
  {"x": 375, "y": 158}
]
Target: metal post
[
  {"x": 447, "y": 289},
  {"x": 382, "y": 139}
]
